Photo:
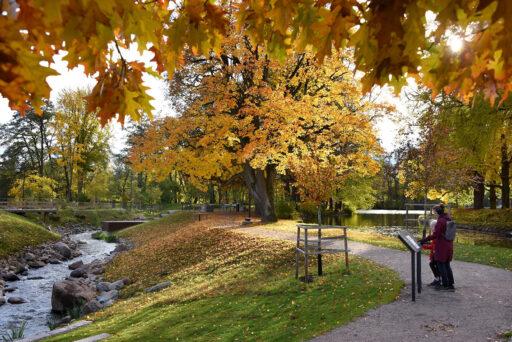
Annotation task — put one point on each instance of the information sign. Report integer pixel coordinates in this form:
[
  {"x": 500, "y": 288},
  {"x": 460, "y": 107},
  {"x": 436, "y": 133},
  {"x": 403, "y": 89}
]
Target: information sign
[
  {"x": 415, "y": 250},
  {"x": 409, "y": 242}
]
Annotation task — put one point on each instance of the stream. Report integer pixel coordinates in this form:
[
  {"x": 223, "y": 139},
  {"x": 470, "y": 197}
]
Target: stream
[{"x": 38, "y": 292}]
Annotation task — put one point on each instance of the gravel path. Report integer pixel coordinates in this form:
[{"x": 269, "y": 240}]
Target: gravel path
[{"x": 479, "y": 309}]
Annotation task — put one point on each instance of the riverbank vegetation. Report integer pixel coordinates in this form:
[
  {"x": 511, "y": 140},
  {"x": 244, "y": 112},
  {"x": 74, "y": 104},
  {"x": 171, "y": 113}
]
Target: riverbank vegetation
[
  {"x": 469, "y": 246},
  {"x": 498, "y": 220},
  {"x": 227, "y": 285},
  {"x": 17, "y": 232}
]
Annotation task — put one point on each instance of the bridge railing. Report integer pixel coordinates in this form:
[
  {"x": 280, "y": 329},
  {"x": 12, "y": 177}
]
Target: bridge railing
[{"x": 13, "y": 204}]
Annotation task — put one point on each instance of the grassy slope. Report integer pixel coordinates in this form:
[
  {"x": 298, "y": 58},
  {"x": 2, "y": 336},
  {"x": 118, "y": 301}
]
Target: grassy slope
[
  {"x": 229, "y": 286},
  {"x": 89, "y": 216},
  {"x": 17, "y": 232},
  {"x": 466, "y": 248},
  {"x": 497, "y": 219}
]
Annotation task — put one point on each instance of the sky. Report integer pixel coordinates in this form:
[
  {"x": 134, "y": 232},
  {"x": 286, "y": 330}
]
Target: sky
[
  {"x": 387, "y": 127},
  {"x": 76, "y": 78}
]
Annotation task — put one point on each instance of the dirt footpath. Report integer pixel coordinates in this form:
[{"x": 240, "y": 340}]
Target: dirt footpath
[{"x": 479, "y": 309}]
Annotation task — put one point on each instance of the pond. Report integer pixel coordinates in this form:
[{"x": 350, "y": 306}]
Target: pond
[{"x": 389, "y": 222}]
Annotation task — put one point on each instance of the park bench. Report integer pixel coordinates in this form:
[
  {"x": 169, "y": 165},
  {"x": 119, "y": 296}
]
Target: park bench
[{"x": 316, "y": 245}]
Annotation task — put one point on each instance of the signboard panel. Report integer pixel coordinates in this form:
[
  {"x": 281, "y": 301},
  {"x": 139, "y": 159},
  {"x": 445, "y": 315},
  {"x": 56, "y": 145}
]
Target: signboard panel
[
  {"x": 409, "y": 241},
  {"x": 415, "y": 250}
]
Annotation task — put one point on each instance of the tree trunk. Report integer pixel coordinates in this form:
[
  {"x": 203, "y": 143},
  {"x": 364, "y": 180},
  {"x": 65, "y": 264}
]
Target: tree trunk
[
  {"x": 80, "y": 185},
  {"x": 478, "y": 191},
  {"x": 492, "y": 195},
  {"x": 211, "y": 193},
  {"x": 41, "y": 150},
  {"x": 261, "y": 185},
  {"x": 505, "y": 174},
  {"x": 69, "y": 184}
]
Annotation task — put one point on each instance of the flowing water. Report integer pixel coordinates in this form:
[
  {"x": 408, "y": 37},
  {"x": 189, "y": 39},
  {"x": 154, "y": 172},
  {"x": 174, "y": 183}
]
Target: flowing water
[{"x": 38, "y": 292}]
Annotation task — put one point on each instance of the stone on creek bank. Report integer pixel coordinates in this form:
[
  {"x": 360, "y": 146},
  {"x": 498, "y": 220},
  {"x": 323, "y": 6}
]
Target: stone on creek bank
[
  {"x": 75, "y": 265},
  {"x": 119, "y": 284},
  {"x": 36, "y": 264},
  {"x": 63, "y": 249},
  {"x": 159, "y": 287},
  {"x": 2, "y": 300},
  {"x": 103, "y": 286},
  {"x": 92, "y": 306},
  {"x": 79, "y": 273},
  {"x": 8, "y": 289},
  {"x": 71, "y": 293},
  {"x": 16, "y": 300},
  {"x": 29, "y": 256},
  {"x": 10, "y": 276},
  {"x": 106, "y": 297}
]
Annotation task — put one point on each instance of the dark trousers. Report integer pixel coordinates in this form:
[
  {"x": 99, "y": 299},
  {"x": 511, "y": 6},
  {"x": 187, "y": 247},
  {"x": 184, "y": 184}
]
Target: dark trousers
[
  {"x": 446, "y": 273},
  {"x": 434, "y": 268}
]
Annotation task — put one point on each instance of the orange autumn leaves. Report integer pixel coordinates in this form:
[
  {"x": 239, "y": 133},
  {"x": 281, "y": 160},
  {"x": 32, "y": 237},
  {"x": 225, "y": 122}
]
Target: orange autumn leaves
[
  {"x": 391, "y": 40},
  {"x": 32, "y": 32},
  {"x": 253, "y": 111},
  {"x": 183, "y": 248}
]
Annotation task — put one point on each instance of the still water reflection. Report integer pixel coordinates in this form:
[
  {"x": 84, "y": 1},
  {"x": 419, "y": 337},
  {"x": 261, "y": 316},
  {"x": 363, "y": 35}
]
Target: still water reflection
[{"x": 390, "y": 222}]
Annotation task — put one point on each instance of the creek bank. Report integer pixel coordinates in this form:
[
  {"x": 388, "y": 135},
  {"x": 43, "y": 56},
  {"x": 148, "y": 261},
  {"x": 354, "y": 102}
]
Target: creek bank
[
  {"x": 16, "y": 266},
  {"x": 35, "y": 285},
  {"x": 85, "y": 291},
  {"x": 492, "y": 230}
]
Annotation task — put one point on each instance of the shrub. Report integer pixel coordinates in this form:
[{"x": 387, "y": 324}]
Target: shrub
[
  {"x": 308, "y": 211},
  {"x": 284, "y": 209},
  {"x": 495, "y": 218},
  {"x": 105, "y": 236},
  {"x": 34, "y": 187}
]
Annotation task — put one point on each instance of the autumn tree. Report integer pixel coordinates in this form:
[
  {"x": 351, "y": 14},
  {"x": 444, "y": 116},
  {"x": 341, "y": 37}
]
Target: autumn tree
[
  {"x": 241, "y": 112},
  {"x": 80, "y": 144},
  {"x": 34, "y": 187},
  {"x": 463, "y": 146},
  {"x": 26, "y": 141},
  {"x": 98, "y": 186},
  {"x": 390, "y": 39}
]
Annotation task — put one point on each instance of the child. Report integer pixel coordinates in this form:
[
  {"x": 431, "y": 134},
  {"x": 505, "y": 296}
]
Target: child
[{"x": 433, "y": 266}]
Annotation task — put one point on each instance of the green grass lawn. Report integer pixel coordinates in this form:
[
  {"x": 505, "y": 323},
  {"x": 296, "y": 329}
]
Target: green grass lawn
[
  {"x": 468, "y": 247},
  {"x": 229, "y": 286},
  {"x": 17, "y": 232}
]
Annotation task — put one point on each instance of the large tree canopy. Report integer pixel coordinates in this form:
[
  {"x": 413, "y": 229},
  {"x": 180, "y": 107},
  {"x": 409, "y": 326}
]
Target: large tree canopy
[
  {"x": 391, "y": 39},
  {"x": 243, "y": 113}
]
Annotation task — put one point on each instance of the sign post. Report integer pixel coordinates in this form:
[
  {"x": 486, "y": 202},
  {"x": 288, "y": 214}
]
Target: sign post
[{"x": 414, "y": 248}]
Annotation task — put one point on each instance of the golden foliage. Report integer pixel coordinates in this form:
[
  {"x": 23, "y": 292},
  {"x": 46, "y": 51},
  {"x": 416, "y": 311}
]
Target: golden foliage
[
  {"x": 390, "y": 40},
  {"x": 243, "y": 109},
  {"x": 34, "y": 187}
]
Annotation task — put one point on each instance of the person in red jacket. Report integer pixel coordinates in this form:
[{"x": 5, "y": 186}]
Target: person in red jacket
[
  {"x": 433, "y": 266},
  {"x": 443, "y": 250}
]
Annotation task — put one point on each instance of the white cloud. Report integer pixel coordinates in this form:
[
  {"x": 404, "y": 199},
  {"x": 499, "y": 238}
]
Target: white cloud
[{"x": 76, "y": 78}]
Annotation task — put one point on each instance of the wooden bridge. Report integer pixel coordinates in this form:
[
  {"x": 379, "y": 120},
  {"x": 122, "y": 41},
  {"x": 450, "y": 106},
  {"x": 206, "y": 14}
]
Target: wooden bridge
[{"x": 22, "y": 207}]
